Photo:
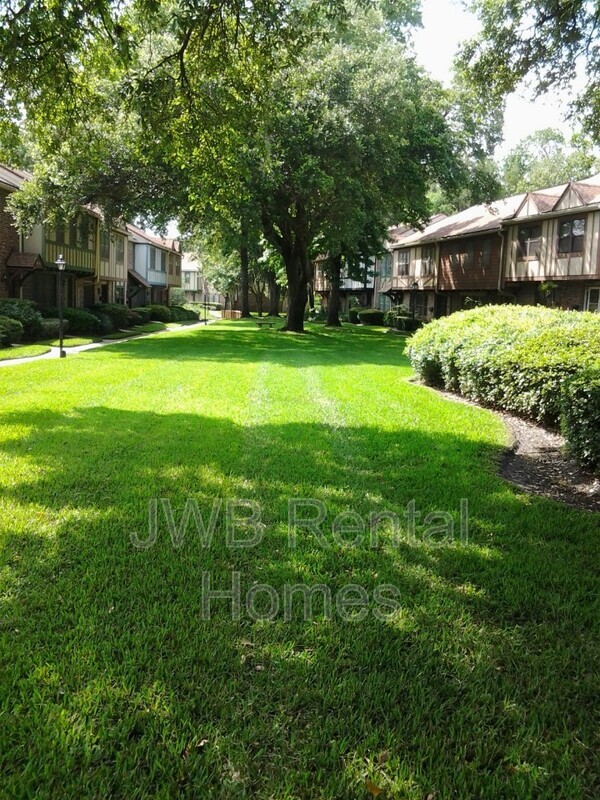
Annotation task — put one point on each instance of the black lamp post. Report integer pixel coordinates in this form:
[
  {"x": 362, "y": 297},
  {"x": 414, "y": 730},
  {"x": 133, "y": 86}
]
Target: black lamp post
[
  {"x": 205, "y": 309},
  {"x": 415, "y": 286},
  {"x": 61, "y": 264}
]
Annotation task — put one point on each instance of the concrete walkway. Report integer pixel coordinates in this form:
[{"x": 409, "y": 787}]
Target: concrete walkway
[{"x": 55, "y": 351}]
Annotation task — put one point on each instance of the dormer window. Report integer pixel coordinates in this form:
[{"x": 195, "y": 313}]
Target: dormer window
[{"x": 571, "y": 233}]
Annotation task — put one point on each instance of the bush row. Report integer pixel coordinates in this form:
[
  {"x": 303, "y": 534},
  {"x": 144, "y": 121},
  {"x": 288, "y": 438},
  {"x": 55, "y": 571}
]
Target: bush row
[
  {"x": 20, "y": 320},
  {"x": 532, "y": 361}
]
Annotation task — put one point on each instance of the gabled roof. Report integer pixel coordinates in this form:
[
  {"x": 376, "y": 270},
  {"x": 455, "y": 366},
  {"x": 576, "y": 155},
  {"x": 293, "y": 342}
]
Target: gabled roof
[
  {"x": 142, "y": 237},
  {"x": 18, "y": 260},
  {"x": 138, "y": 278},
  {"x": 477, "y": 219}
]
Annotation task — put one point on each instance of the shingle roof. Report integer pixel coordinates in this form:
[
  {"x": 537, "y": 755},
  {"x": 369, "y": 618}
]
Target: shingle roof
[
  {"x": 142, "y": 237},
  {"x": 13, "y": 178}
]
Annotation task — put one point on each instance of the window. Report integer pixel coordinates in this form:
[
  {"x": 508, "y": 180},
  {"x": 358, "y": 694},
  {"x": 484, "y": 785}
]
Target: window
[
  {"x": 403, "y": 262},
  {"x": 60, "y": 233},
  {"x": 485, "y": 253},
  {"x": 385, "y": 270},
  {"x": 592, "y": 299},
  {"x": 529, "y": 237},
  {"x": 119, "y": 292},
  {"x": 152, "y": 258},
  {"x": 163, "y": 261},
  {"x": 384, "y": 302},
  {"x": 571, "y": 233},
  {"x": 420, "y": 304},
  {"x": 119, "y": 251},
  {"x": 104, "y": 244},
  {"x": 427, "y": 260},
  {"x": 186, "y": 279}
]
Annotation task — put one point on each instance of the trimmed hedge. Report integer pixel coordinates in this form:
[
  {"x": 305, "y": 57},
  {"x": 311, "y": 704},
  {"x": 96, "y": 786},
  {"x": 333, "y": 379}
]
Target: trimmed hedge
[
  {"x": 51, "y": 328},
  {"x": 371, "y": 316},
  {"x": 26, "y": 312},
  {"x": 119, "y": 314},
  {"x": 580, "y": 420},
  {"x": 353, "y": 315},
  {"x": 81, "y": 322},
  {"x": 518, "y": 358},
  {"x": 13, "y": 328},
  {"x": 143, "y": 312},
  {"x": 181, "y": 314},
  {"x": 159, "y": 313}
]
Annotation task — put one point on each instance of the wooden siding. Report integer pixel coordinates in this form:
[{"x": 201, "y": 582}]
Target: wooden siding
[
  {"x": 109, "y": 269},
  {"x": 550, "y": 265},
  {"x": 469, "y": 272}
]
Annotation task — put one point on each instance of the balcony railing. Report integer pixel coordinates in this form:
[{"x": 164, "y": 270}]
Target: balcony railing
[{"x": 405, "y": 283}]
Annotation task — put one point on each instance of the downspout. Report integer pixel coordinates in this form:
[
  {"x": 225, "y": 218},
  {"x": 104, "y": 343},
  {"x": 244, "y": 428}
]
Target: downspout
[{"x": 501, "y": 267}]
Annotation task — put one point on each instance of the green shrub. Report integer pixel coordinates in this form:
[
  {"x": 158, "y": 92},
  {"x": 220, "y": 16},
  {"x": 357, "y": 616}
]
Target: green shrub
[
  {"x": 580, "y": 420},
  {"x": 51, "y": 328},
  {"x": 353, "y": 315},
  {"x": 159, "y": 313},
  {"x": 81, "y": 322},
  {"x": 396, "y": 315},
  {"x": 518, "y": 358},
  {"x": 371, "y": 316},
  {"x": 4, "y": 338},
  {"x": 143, "y": 312},
  {"x": 26, "y": 312},
  {"x": 133, "y": 318},
  {"x": 13, "y": 328},
  {"x": 180, "y": 314},
  {"x": 118, "y": 313}
]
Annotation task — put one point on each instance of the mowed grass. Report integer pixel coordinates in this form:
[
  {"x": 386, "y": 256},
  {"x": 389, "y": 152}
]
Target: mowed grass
[{"x": 481, "y": 683}]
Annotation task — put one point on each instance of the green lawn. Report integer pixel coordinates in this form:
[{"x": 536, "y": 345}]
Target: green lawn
[
  {"x": 481, "y": 683},
  {"x": 23, "y": 351}
]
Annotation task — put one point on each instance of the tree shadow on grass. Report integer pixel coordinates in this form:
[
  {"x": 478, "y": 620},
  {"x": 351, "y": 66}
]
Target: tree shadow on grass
[{"x": 479, "y": 684}]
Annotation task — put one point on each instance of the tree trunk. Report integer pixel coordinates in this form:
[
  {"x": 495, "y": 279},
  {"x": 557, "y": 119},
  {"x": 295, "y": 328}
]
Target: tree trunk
[
  {"x": 244, "y": 279},
  {"x": 333, "y": 306},
  {"x": 274, "y": 294},
  {"x": 297, "y": 293}
]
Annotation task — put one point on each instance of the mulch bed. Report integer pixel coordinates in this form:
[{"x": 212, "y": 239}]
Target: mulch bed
[{"x": 537, "y": 462}]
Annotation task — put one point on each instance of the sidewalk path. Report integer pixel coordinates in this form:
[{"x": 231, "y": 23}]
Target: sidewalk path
[{"x": 55, "y": 351}]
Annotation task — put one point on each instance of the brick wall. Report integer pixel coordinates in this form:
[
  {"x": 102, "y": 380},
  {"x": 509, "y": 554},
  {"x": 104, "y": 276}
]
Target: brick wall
[
  {"x": 9, "y": 240},
  {"x": 570, "y": 295},
  {"x": 470, "y": 264}
]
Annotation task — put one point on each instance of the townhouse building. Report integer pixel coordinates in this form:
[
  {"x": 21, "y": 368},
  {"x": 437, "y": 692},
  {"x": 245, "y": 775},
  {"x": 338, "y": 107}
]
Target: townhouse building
[
  {"x": 538, "y": 247},
  {"x": 155, "y": 267},
  {"x": 95, "y": 256},
  {"x": 357, "y": 290},
  {"x": 194, "y": 283}
]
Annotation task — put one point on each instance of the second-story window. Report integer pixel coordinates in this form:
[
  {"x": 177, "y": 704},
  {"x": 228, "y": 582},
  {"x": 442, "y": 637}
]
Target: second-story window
[
  {"x": 152, "y": 259},
  {"x": 60, "y": 233},
  {"x": 104, "y": 244},
  {"x": 571, "y": 234},
  {"x": 403, "y": 262},
  {"x": 386, "y": 266},
  {"x": 163, "y": 261},
  {"x": 120, "y": 251},
  {"x": 529, "y": 242},
  {"x": 427, "y": 260}
]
